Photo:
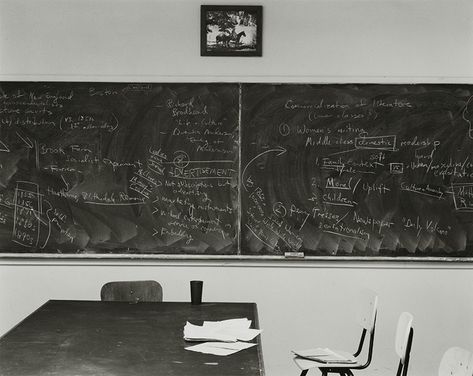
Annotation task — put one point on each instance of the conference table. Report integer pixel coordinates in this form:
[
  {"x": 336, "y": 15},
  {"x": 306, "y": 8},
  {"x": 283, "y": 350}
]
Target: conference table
[{"x": 79, "y": 338}]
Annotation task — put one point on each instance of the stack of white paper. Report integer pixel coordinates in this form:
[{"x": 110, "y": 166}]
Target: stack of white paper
[
  {"x": 225, "y": 331},
  {"x": 225, "y": 336}
]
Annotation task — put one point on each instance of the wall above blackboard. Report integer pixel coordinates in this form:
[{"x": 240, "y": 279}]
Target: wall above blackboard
[{"x": 236, "y": 170}]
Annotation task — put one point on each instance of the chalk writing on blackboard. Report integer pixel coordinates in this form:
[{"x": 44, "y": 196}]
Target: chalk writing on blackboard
[
  {"x": 118, "y": 168},
  {"x": 236, "y": 169},
  {"x": 362, "y": 170}
]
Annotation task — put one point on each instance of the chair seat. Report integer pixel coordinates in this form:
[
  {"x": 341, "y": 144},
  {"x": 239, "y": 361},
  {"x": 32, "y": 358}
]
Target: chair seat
[
  {"x": 304, "y": 363},
  {"x": 342, "y": 362}
]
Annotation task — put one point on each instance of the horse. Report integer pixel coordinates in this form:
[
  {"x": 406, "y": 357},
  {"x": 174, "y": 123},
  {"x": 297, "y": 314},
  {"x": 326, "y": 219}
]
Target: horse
[
  {"x": 238, "y": 37},
  {"x": 225, "y": 39}
]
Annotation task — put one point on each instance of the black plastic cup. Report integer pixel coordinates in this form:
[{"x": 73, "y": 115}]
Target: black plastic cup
[{"x": 196, "y": 292}]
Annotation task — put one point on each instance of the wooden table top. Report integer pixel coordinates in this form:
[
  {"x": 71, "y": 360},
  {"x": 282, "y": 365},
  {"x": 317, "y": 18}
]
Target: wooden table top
[{"x": 77, "y": 338}]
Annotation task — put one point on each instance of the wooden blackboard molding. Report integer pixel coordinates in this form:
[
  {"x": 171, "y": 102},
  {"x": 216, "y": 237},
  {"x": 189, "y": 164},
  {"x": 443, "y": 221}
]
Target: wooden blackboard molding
[
  {"x": 242, "y": 78},
  {"x": 231, "y": 258}
]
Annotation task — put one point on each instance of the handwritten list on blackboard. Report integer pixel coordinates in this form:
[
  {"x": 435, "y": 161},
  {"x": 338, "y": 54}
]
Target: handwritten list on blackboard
[
  {"x": 364, "y": 170},
  {"x": 233, "y": 169},
  {"x": 118, "y": 168}
]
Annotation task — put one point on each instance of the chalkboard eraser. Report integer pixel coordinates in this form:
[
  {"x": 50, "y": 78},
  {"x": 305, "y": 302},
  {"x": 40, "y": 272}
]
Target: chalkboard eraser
[{"x": 294, "y": 254}]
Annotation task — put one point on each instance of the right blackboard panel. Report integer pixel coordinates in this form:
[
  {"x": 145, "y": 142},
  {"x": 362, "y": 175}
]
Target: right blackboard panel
[{"x": 357, "y": 170}]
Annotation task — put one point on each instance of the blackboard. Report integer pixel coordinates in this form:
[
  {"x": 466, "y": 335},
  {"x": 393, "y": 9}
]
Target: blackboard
[
  {"x": 357, "y": 170},
  {"x": 236, "y": 170},
  {"x": 118, "y": 168}
]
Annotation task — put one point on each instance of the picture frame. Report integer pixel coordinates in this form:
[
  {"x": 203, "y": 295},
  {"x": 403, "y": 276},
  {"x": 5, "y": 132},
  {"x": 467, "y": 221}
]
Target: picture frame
[{"x": 231, "y": 30}]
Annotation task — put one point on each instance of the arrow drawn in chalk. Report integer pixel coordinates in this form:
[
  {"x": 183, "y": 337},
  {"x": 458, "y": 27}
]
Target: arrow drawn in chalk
[
  {"x": 26, "y": 140},
  {"x": 280, "y": 150},
  {"x": 116, "y": 123},
  {"x": 276, "y": 247},
  {"x": 4, "y": 147},
  {"x": 49, "y": 223},
  {"x": 465, "y": 113}
]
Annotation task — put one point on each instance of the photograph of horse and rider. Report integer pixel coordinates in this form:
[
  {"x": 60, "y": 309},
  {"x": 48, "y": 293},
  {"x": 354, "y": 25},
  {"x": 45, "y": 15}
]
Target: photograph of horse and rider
[{"x": 232, "y": 31}]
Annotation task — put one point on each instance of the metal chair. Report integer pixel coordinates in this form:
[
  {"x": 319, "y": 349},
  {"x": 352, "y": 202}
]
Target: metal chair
[
  {"x": 403, "y": 344},
  {"x": 132, "y": 291},
  {"x": 367, "y": 320}
]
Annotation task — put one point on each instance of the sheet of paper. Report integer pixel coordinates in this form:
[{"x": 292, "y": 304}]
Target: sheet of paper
[
  {"x": 243, "y": 335},
  {"x": 226, "y": 331},
  {"x": 199, "y": 333},
  {"x": 242, "y": 323},
  {"x": 325, "y": 355},
  {"x": 220, "y": 348},
  {"x": 319, "y": 351}
]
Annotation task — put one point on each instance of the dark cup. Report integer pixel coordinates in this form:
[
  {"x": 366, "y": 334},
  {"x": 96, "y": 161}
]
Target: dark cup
[{"x": 196, "y": 292}]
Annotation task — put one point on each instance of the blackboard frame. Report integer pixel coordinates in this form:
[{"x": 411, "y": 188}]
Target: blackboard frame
[
  {"x": 230, "y": 259},
  {"x": 236, "y": 257}
]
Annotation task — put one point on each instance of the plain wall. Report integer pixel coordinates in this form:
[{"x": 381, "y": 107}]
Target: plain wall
[
  {"x": 303, "y": 40},
  {"x": 300, "y": 304}
]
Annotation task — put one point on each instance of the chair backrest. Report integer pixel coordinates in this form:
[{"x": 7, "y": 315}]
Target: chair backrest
[
  {"x": 403, "y": 342},
  {"x": 367, "y": 320},
  {"x": 132, "y": 291},
  {"x": 456, "y": 362},
  {"x": 369, "y": 309},
  {"x": 470, "y": 366}
]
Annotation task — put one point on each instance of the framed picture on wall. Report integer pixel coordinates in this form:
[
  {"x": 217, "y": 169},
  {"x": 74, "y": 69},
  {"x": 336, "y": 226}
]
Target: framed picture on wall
[{"x": 231, "y": 30}]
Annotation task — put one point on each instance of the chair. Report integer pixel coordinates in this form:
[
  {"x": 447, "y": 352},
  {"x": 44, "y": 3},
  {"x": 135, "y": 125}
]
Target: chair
[
  {"x": 132, "y": 291},
  {"x": 456, "y": 362},
  {"x": 367, "y": 321},
  {"x": 403, "y": 344}
]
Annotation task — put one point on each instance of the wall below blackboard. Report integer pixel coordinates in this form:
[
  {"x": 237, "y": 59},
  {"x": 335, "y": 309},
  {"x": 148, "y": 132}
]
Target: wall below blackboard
[{"x": 300, "y": 306}]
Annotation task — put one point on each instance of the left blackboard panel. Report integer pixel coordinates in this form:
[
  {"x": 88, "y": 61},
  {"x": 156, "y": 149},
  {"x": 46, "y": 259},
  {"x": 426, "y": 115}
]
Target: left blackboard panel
[{"x": 118, "y": 168}]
